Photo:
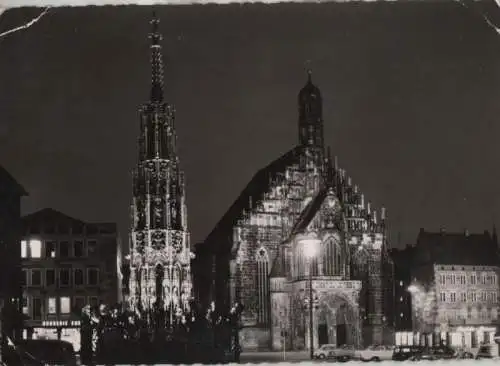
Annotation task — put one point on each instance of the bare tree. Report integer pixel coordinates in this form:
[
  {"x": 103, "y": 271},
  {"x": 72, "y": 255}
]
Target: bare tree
[{"x": 23, "y": 26}]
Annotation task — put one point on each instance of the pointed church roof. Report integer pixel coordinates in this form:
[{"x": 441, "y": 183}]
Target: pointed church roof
[
  {"x": 254, "y": 192},
  {"x": 222, "y": 234},
  {"x": 309, "y": 90}
]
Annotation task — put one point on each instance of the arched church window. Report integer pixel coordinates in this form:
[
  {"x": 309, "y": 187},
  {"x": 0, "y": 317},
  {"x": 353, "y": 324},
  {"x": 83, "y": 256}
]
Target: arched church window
[
  {"x": 314, "y": 267},
  {"x": 159, "y": 278},
  {"x": 332, "y": 258},
  {"x": 338, "y": 260},
  {"x": 262, "y": 285}
]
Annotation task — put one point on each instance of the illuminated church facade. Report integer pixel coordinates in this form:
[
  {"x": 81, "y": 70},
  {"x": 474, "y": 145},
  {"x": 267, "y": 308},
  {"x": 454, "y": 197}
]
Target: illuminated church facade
[
  {"x": 160, "y": 273},
  {"x": 257, "y": 252}
]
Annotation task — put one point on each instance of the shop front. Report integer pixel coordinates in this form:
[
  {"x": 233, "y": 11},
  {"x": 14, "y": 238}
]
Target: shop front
[
  {"x": 465, "y": 337},
  {"x": 65, "y": 330}
]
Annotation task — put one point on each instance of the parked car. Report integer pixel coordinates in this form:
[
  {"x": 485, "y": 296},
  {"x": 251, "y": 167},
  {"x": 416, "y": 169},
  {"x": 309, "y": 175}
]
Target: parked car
[
  {"x": 485, "y": 351},
  {"x": 344, "y": 353},
  {"x": 376, "y": 353},
  {"x": 325, "y": 351},
  {"x": 331, "y": 351},
  {"x": 464, "y": 354},
  {"x": 49, "y": 351},
  {"x": 444, "y": 352},
  {"x": 403, "y": 353},
  {"x": 13, "y": 356},
  {"x": 435, "y": 353}
]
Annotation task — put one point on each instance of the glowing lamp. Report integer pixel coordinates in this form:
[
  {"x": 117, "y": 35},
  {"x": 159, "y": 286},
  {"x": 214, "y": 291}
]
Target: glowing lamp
[
  {"x": 311, "y": 247},
  {"x": 412, "y": 289}
]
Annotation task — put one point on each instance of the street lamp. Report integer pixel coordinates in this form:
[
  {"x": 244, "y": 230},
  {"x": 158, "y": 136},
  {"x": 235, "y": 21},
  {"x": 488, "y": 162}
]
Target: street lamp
[
  {"x": 413, "y": 289},
  {"x": 310, "y": 250}
]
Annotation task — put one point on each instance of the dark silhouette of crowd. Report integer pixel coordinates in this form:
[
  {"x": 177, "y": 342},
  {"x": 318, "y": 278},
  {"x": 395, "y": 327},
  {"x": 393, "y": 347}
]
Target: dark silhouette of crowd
[{"x": 113, "y": 334}]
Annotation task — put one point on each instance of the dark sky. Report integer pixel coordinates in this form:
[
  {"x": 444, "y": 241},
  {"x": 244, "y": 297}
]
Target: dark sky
[{"x": 411, "y": 104}]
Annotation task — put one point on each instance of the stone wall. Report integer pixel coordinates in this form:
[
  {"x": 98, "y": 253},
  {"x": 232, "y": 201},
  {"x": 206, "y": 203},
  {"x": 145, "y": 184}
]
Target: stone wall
[
  {"x": 280, "y": 319},
  {"x": 254, "y": 339},
  {"x": 253, "y": 238}
]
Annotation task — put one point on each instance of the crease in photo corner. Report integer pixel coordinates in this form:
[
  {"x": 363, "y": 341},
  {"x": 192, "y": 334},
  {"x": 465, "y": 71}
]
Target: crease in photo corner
[{"x": 491, "y": 20}]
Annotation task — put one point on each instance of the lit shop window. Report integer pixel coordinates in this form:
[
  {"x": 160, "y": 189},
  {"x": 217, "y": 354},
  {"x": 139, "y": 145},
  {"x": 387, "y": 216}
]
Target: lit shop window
[
  {"x": 24, "y": 249},
  {"x": 25, "y": 305},
  {"x": 35, "y": 248},
  {"x": 52, "y": 305},
  {"x": 65, "y": 305}
]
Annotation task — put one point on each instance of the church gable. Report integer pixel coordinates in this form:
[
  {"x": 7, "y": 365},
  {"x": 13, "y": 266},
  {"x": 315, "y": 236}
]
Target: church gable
[
  {"x": 268, "y": 218},
  {"x": 323, "y": 212}
]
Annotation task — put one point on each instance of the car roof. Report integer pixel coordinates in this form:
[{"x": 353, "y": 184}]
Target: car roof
[{"x": 47, "y": 343}]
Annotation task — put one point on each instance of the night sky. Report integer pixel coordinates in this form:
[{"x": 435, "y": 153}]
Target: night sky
[{"x": 411, "y": 104}]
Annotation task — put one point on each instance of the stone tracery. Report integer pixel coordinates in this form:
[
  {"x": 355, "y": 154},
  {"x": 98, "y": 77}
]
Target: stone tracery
[{"x": 159, "y": 236}]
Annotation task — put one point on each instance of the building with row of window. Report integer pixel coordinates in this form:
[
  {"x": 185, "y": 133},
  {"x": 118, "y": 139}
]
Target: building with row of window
[
  {"x": 453, "y": 281},
  {"x": 11, "y": 193},
  {"x": 66, "y": 264}
]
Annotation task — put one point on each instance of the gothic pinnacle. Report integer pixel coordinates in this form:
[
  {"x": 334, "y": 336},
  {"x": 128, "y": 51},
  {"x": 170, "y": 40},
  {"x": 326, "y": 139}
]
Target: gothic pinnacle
[{"x": 156, "y": 62}]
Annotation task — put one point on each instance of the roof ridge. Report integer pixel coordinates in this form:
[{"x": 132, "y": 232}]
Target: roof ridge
[{"x": 4, "y": 173}]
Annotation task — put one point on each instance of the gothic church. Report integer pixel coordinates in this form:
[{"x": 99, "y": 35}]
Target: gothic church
[{"x": 256, "y": 253}]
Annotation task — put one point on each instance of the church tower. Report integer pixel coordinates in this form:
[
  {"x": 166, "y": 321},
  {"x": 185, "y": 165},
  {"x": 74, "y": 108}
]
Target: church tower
[
  {"x": 311, "y": 119},
  {"x": 160, "y": 275}
]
